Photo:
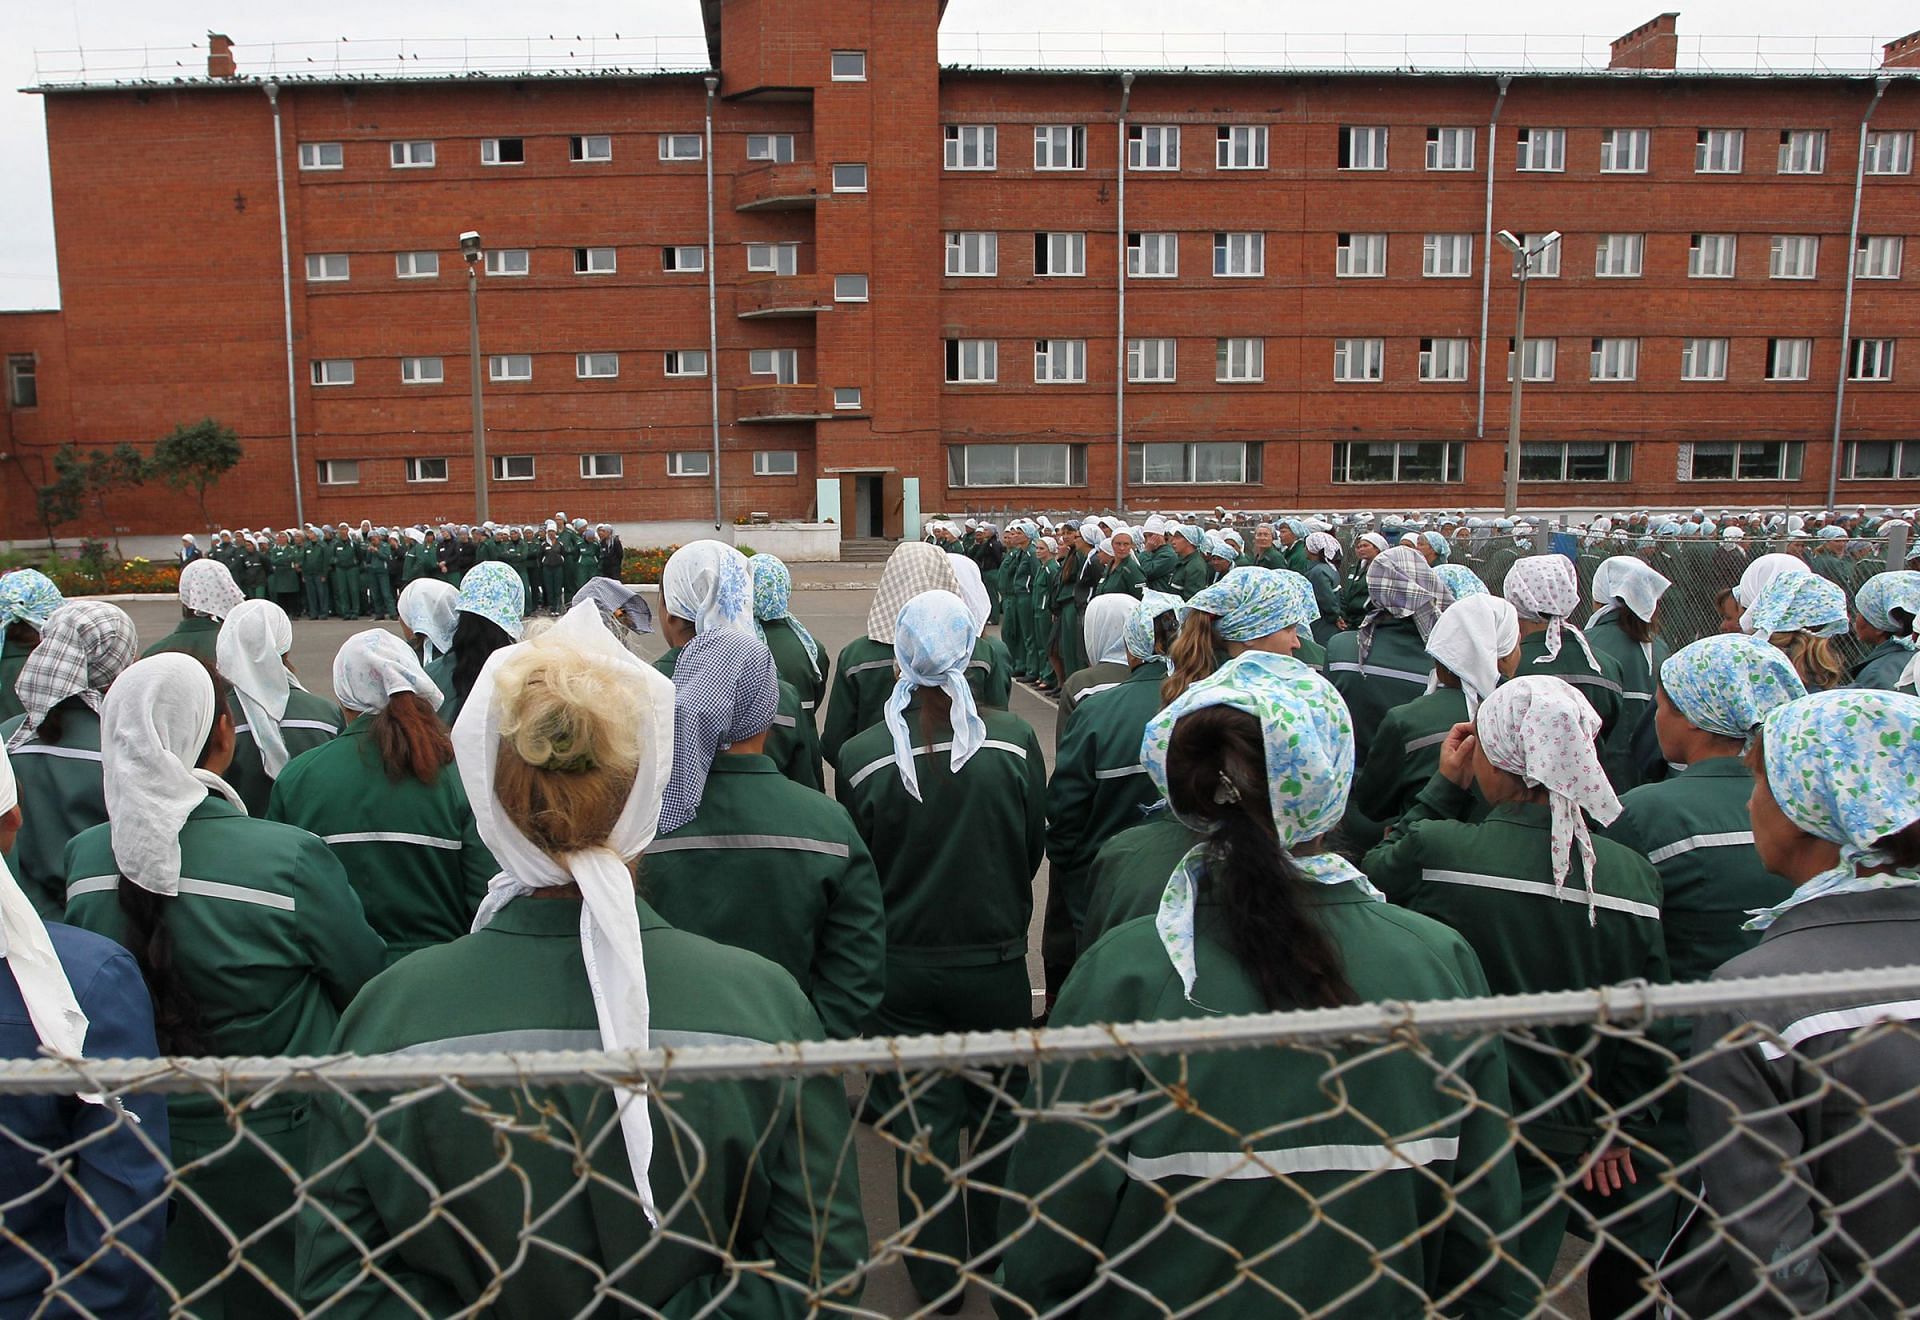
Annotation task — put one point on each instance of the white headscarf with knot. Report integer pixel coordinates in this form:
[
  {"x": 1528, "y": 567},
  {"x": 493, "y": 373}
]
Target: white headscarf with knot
[
  {"x": 250, "y": 652},
  {"x": 1545, "y": 587},
  {"x": 430, "y": 607},
  {"x": 155, "y": 722},
  {"x": 1542, "y": 730},
  {"x": 1628, "y": 580},
  {"x": 932, "y": 643},
  {"x": 710, "y": 585},
  {"x": 973, "y": 590},
  {"x": 373, "y": 667},
  {"x": 1760, "y": 573},
  {"x": 207, "y": 587},
  {"x": 609, "y": 918},
  {"x": 1471, "y": 639},
  {"x": 1324, "y": 545},
  {"x": 1105, "y": 627}
]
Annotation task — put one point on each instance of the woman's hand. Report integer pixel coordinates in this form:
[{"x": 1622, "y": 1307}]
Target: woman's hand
[
  {"x": 1603, "y": 1177},
  {"x": 1456, "y": 755}
]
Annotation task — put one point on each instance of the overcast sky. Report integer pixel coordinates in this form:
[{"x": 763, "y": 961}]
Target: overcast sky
[{"x": 27, "y": 267}]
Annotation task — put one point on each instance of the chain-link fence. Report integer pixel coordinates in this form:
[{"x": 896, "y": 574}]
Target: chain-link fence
[{"x": 1382, "y": 1159}]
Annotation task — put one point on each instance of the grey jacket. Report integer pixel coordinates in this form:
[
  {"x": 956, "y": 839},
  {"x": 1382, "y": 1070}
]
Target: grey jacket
[{"x": 1782, "y": 1133}]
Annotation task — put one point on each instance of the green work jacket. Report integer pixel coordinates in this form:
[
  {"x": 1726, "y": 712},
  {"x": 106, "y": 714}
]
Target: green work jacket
[
  {"x": 1294, "y": 556},
  {"x": 1396, "y": 672},
  {"x": 779, "y": 869},
  {"x": 12, "y": 659},
  {"x": 60, "y": 795},
  {"x": 284, "y": 575},
  {"x": 1099, "y": 787},
  {"x": 410, "y": 850},
  {"x": 1404, "y": 753},
  {"x": 796, "y": 667},
  {"x": 1353, "y": 596},
  {"x": 863, "y": 679},
  {"x": 315, "y": 557},
  {"x": 196, "y": 635},
  {"x": 1126, "y": 578},
  {"x": 1360, "y": 1191},
  {"x": 1493, "y": 882},
  {"x": 1882, "y": 668},
  {"x": 1016, "y": 572},
  {"x": 420, "y": 561},
  {"x": 1159, "y": 566},
  {"x": 310, "y": 721},
  {"x": 1191, "y": 575},
  {"x": 1325, "y": 580},
  {"x": 956, "y": 866},
  {"x": 1130, "y": 871},
  {"x": 791, "y": 743},
  {"x": 1603, "y": 688},
  {"x": 757, "y": 1170},
  {"x": 1100, "y": 676},
  {"x": 1639, "y": 675}
]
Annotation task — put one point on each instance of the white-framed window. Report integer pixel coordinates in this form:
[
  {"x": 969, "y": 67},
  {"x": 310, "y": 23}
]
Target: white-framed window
[
  {"x": 322, "y": 156},
  {"x": 1059, "y": 254},
  {"x": 1420, "y": 462},
  {"x": 1059, "y": 146},
  {"x": 1619, "y": 256},
  {"x": 1363, "y": 147},
  {"x": 423, "y": 371},
  {"x": 426, "y": 470},
  {"x": 1541, "y": 357},
  {"x": 1889, "y": 151},
  {"x": 23, "y": 381},
  {"x": 1199, "y": 463},
  {"x": 850, "y": 177},
  {"x": 1153, "y": 146},
  {"x": 1152, "y": 361},
  {"x": 1803, "y": 151},
  {"x": 850, "y": 288},
  {"x": 1240, "y": 147},
  {"x": 1789, "y": 359},
  {"x": 673, "y": 146},
  {"x": 1239, "y": 360},
  {"x": 513, "y": 467},
  {"x": 503, "y": 151},
  {"x": 326, "y": 267},
  {"x": 1883, "y": 460},
  {"x": 1447, "y": 256},
  {"x": 1450, "y": 148},
  {"x": 1576, "y": 460},
  {"x": 1870, "y": 359},
  {"x": 970, "y": 146},
  {"x": 783, "y": 364},
  {"x": 602, "y": 467},
  {"x": 508, "y": 261},
  {"x": 973, "y": 361},
  {"x": 846, "y": 398},
  {"x": 1059, "y": 361},
  {"x": 689, "y": 463},
  {"x": 683, "y": 259},
  {"x": 1877, "y": 256},
  {"x": 1153, "y": 256},
  {"x": 416, "y": 155},
  {"x": 773, "y": 258},
  {"x": 1625, "y": 150},
  {"x": 1444, "y": 359},
  {"x": 1546, "y": 261},
  {"x": 1793, "y": 257},
  {"x": 1703, "y": 359},
  {"x": 596, "y": 366},
  {"x": 1718, "y": 150},
  {"x": 1615, "y": 359},
  {"x": 1017, "y": 465},
  {"x": 1711, "y": 257},
  {"x": 1742, "y": 460},
  {"x": 1239, "y": 256},
  {"x": 973, "y": 253},
  {"x": 1360, "y": 256},
  {"x": 1540, "y": 150},
  {"x": 339, "y": 471},
  {"x": 686, "y": 362},
  {"x": 416, "y": 265},
  {"x": 847, "y": 66},
  {"x": 776, "y": 147},
  {"x": 776, "y": 462},
  {"x": 510, "y": 366},
  {"x": 332, "y": 371},
  {"x": 595, "y": 261},
  {"x": 1359, "y": 360}
]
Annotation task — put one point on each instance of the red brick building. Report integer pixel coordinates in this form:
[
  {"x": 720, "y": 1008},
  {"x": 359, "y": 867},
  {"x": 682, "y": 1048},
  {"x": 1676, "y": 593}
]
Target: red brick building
[{"x": 916, "y": 275}]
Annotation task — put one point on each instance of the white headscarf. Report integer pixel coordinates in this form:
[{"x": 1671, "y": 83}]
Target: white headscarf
[
  {"x": 610, "y": 918},
  {"x": 1471, "y": 638},
  {"x": 973, "y": 590},
  {"x": 430, "y": 608},
  {"x": 373, "y": 667},
  {"x": 1759, "y": 573},
  {"x": 1630, "y": 580},
  {"x": 206, "y": 587},
  {"x": 710, "y": 585},
  {"x": 253, "y": 642},
  {"x": 154, "y": 723},
  {"x": 932, "y": 642},
  {"x": 1105, "y": 627}
]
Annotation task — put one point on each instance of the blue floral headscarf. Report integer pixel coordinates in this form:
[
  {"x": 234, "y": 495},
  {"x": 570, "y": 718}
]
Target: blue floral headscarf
[
  {"x": 709, "y": 584},
  {"x": 1898, "y": 590},
  {"x": 1251, "y": 603},
  {"x": 772, "y": 590},
  {"x": 1800, "y": 602},
  {"x": 28, "y": 596},
  {"x": 1139, "y": 630},
  {"x": 1460, "y": 580},
  {"x": 1725, "y": 684},
  {"x": 493, "y": 591}
]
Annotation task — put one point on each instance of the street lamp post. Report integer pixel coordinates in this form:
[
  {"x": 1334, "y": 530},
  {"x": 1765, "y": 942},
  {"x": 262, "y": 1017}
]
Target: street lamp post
[
  {"x": 1523, "y": 258},
  {"x": 470, "y": 249}
]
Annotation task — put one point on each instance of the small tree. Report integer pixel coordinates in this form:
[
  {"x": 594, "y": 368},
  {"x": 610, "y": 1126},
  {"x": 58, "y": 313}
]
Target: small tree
[
  {"x": 194, "y": 457},
  {"x": 56, "y": 502},
  {"x": 87, "y": 480}
]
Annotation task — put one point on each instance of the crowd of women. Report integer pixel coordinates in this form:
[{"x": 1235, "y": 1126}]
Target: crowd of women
[{"x": 1263, "y": 797}]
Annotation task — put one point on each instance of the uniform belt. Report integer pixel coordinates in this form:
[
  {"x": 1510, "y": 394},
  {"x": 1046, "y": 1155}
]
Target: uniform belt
[{"x": 959, "y": 955}]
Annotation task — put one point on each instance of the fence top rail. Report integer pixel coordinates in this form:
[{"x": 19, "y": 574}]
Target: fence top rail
[{"x": 1628, "y": 1005}]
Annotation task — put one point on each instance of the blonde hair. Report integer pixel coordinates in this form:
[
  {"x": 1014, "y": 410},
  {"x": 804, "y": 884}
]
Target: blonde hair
[
  {"x": 1191, "y": 657},
  {"x": 570, "y": 732},
  {"x": 1816, "y": 659}
]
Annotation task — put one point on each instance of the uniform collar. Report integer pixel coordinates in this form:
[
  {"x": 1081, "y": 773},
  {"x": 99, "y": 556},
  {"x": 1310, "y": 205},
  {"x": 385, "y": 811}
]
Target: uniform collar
[
  {"x": 354, "y": 728},
  {"x": 214, "y": 808},
  {"x": 198, "y": 623},
  {"x": 1152, "y": 669},
  {"x": 1532, "y": 815},
  {"x": 1873, "y": 906},
  {"x": 728, "y": 763},
  {"x": 1717, "y": 767},
  {"x": 558, "y": 917}
]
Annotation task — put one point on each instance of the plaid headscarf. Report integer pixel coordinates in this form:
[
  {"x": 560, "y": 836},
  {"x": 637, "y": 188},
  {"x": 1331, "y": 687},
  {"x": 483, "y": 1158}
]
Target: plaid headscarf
[
  {"x": 83, "y": 648},
  {"x": 1402, "y": 585},
  {"x": 725, "y": 690},
  {"x": 914, "y": 568}
]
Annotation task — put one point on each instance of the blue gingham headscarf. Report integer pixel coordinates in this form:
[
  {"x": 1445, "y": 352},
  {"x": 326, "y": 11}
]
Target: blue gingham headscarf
[
  {"x": 1898, "y": 590},
  {"x": 709, "y": 584},
  {"x": 725, "y": 690},
  {"x": 933, "y": 640},
  {"x": 1308, "y": 736},
  {"x": 1460, "y": 581},
  {"x": 1800, "y": 602},
  {"x": 28, "y": 596},
  {"x": 1401, "y": 585},
  {"x": 1251, "y": 603},
  {"x": 1842, "y": 767},
  {"x": 493, "y": 591},
  {"x": 1727, "y": 683},
  {"x": 772, "y": 590},
  {"x": 1139, "y": 630}
]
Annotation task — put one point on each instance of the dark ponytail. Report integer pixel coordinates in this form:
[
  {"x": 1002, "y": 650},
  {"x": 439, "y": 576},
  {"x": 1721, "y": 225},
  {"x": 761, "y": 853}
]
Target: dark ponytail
[
  {"x": 474, "y": 639},
  {"x": 1271, "y": 928},
  {"x": 411, "y": 739}
]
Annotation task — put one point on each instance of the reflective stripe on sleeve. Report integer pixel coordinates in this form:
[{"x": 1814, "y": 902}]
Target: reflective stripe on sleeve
[
  {"x": 1567, "y": 893},
  {"x": 1287, "y": 1162}
]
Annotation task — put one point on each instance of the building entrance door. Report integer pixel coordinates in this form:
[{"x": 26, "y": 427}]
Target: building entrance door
[{"x": 869, "y": 512}]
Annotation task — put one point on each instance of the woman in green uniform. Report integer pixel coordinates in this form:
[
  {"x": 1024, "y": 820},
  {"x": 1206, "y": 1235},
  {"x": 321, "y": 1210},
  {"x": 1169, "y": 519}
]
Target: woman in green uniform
[
  {"x": 343, "y": 572},
  {"x": 1545, "y": 589},
  {"x": 564, "y": 748},
  {"x": 952, "y": 804},
  {"x": 1016, "y": 588},
  {"x": 1125, "y": 575},
  {"x": 800, "y": 660},
  {"x": 1040, "y": 623},
  {"x": 383, "y": 799},
  {"x": 990, "y": 672},
  {"x": 1883, "y": 615},
  {"x": 551, "y": 557},
  {"x": 1383, "y": 663},
  {"x": 1354, "y": 602},
  {"x": 1504, "y": 884},
  {"x": 863, "y": 675},
  {"x": 1334, "y": 1207},
  {"x": 283, "y": 574},
  {"x": 420, "y": 560},
  {"x": 1104, "y": 637},
  {"x": 429, "y": 612},
  {"x": 275, "y": 718},
  {"x": 55, "y": 742},
  {"x": 252, "y": 942},
  {"x": 316, "y": 556},
  {"x": 379, "y": 575},
  {"x": 1626, "y": 626},
  {"x": 1323, "y": 571},
  {"x": 207, "y": 595},
  {"x": 1250, "y": 609},
  {"x": 487, "y": 617},
  {"x": 1801, "y": 614},
  {"x": 27, "y": 598},
  {"x": 583, "y": 558}
]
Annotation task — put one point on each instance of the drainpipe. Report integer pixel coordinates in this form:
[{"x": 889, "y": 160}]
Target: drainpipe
[
  {"x": 1120, "y": 310},
  {"x": 1486, "y": 254},
  {"x": 286, "y": 308},
  {"x": 1846, "y": 316},
  {"x": 713, "y": 317}
]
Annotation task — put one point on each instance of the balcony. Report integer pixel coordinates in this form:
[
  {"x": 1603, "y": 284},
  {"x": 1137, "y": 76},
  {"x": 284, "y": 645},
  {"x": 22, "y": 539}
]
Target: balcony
[
  {"x": 777, "y": 186},
  {"x": 781, "y": 295},
  {"x": 779, "y": 403}
]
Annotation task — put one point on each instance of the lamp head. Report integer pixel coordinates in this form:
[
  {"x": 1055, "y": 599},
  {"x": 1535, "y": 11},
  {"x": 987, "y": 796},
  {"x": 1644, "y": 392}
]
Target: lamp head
[
  {"x": 470, "y": 245},
  {"x": 1508, "y": 241}
]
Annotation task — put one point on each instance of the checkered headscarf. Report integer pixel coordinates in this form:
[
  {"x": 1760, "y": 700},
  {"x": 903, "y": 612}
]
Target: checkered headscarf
[
  {"x": 83, "y": 648},
  {"x": 1402, "y": 585}
]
